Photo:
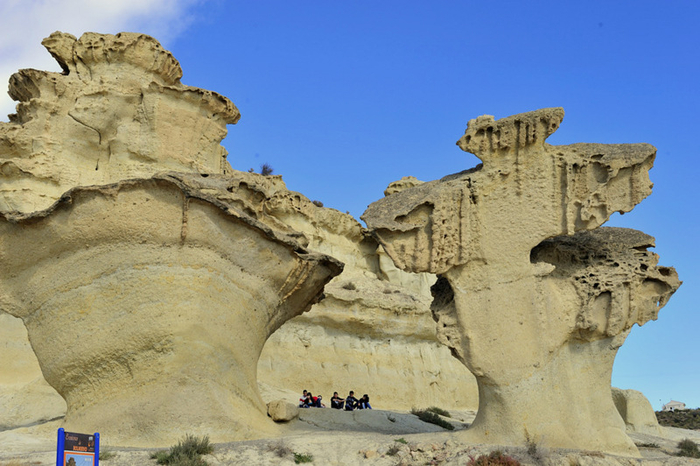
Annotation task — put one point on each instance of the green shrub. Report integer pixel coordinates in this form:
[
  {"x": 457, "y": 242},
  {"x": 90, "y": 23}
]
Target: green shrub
[
  {"x": 682, "y": 418},
  {"x": 187, "y": 452},
  {"x": 432, "y": 418},
  {"x": 400, "y": 440},
  {"x": 647, "y": 445},
  {"x": 495, "y": 458},
  {"x": 688, "y": 448},
  {"x": 303, "y": 458},
  {"x": 440, "y": 411}
]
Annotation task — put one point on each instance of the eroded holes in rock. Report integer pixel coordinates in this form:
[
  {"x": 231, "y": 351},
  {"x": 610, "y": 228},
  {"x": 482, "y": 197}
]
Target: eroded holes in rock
[
  {"x": 204, "y": 175},
  {"x": 600, "y": 172},
  {"x": 230, "y": 189},
  {"x": 615, "y": 264},
  {"x": 665, "y": 271},
  {"x": 643, "y": 267}
]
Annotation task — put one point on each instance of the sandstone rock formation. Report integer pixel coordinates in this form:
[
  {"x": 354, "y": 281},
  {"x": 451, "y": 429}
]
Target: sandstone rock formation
[
  {"x": 373, "y": 332},
  {"x": 636, "y": 411},
  {"x": 282, "y": 411},
  {"x": 147, "y": 301},
  {"x": 25, "y": 397},
  {"x": 536, "y": 316},
  {"x": 117, "y": 111}
]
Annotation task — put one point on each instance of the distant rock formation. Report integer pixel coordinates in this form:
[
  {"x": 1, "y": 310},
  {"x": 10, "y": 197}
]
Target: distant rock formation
[
  {"x": 373, "y": 332},
  {"x": 147, "y": 300},
  {"x": 536, "y": 316},
  {"x": 636, "y": 411}
]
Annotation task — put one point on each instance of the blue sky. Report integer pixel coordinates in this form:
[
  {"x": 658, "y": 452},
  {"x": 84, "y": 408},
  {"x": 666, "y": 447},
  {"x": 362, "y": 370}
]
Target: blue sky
[{"x": 342, "y": 98}]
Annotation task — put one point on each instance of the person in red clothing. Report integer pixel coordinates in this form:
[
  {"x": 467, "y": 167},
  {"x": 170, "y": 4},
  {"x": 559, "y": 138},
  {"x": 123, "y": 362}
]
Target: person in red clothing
[{"x": 302, "y": 400}]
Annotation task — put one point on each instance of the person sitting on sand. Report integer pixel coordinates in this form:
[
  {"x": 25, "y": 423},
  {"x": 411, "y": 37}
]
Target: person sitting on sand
[
  {"x": 364, "y": 402},
  {"x": 350, "y": 401},
  {"x": 337, "y": 402}
]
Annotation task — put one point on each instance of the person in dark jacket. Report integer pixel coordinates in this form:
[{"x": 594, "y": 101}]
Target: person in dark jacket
[
  {"x": 350, "y": 401},
  {"x": 363, "y": 403},
  {"x": 337, "y": 402}
]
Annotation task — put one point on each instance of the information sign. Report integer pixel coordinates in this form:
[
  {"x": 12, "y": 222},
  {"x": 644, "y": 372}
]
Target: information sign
[{"x": 77, "y": 449}]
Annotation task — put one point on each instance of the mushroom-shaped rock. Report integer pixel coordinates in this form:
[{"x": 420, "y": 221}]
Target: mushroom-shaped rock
[
  {"x": 537, "y": 320},
  {"x": 148, "y": 303},
  {"x": 117, "y": 111}
]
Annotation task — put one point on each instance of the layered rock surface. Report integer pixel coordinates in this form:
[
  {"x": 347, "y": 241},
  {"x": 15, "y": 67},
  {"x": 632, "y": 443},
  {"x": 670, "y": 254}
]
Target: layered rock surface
[
  {"x": 536, "y": 316},
  {"x": 373, "y": 333},
  {"x": 147, "y": 301},
  {"x": 117, "y": 111},
  {"x": 165, "y": 325}
]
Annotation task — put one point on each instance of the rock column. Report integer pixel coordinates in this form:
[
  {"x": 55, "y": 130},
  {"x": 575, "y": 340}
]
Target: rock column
[{"x": 536, "y": 316}]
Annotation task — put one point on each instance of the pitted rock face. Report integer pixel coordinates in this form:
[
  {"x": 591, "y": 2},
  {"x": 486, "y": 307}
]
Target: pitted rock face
[
  {"x": 529, "y": 299},
  {"x": 617, "y": 280},
  {"x": 542, "y": 190},
  {"x": 117, "y": 111}
]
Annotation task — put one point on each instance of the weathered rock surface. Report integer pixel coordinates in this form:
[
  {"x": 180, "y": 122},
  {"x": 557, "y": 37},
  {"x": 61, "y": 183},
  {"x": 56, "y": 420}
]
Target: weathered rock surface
[
  {"x": 165, "y": 326},
  {"x": 282, "y": 411},
  {"x": 147, "y": 301},
  {"x": 117, "y": 111},
  {"x": 25, "y": 397},
  {"x": 636, "y": 411},
  {"x": 373, "y": 333},
  {"x": 537, "y": 317}
]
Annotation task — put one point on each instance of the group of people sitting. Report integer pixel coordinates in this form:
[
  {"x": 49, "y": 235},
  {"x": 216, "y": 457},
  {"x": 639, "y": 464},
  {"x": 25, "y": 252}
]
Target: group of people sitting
[{"x": 350, "y": 403}]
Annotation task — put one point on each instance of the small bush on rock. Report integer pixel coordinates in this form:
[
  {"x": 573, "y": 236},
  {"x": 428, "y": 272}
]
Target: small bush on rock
[
  {"x": 429, "y": 416},
  {"x": 495, "y": 458},
  {"x": 303, "y": 458},
  {"x": 440, "y": 411},
  {"x": 187, "y": 452},
  {"x": 688, "y": 448}
]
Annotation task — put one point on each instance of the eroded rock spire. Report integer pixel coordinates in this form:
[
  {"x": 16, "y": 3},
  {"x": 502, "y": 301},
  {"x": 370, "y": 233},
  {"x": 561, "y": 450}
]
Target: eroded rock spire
[{"x": 534, "y": 303}]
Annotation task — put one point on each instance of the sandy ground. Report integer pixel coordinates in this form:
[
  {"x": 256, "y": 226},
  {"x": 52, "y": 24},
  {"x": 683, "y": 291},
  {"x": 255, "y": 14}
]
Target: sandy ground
[{"x": 334, "y": 437}]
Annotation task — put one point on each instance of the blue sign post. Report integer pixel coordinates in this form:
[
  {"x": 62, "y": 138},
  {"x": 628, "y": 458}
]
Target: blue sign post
[{"x": 77, "y": 449}]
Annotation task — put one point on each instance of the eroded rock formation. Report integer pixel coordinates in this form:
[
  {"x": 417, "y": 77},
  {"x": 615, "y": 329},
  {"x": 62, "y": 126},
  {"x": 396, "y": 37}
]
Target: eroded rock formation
[
  {"x": 373, "y": 332},
  {"x": 636, "y": 411},
  {"x": 25, "y": 397},
  {"x": 147, "y": 300},
  {"x": 536, "y": 310},
  {"x": 117, "y": 111}
]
